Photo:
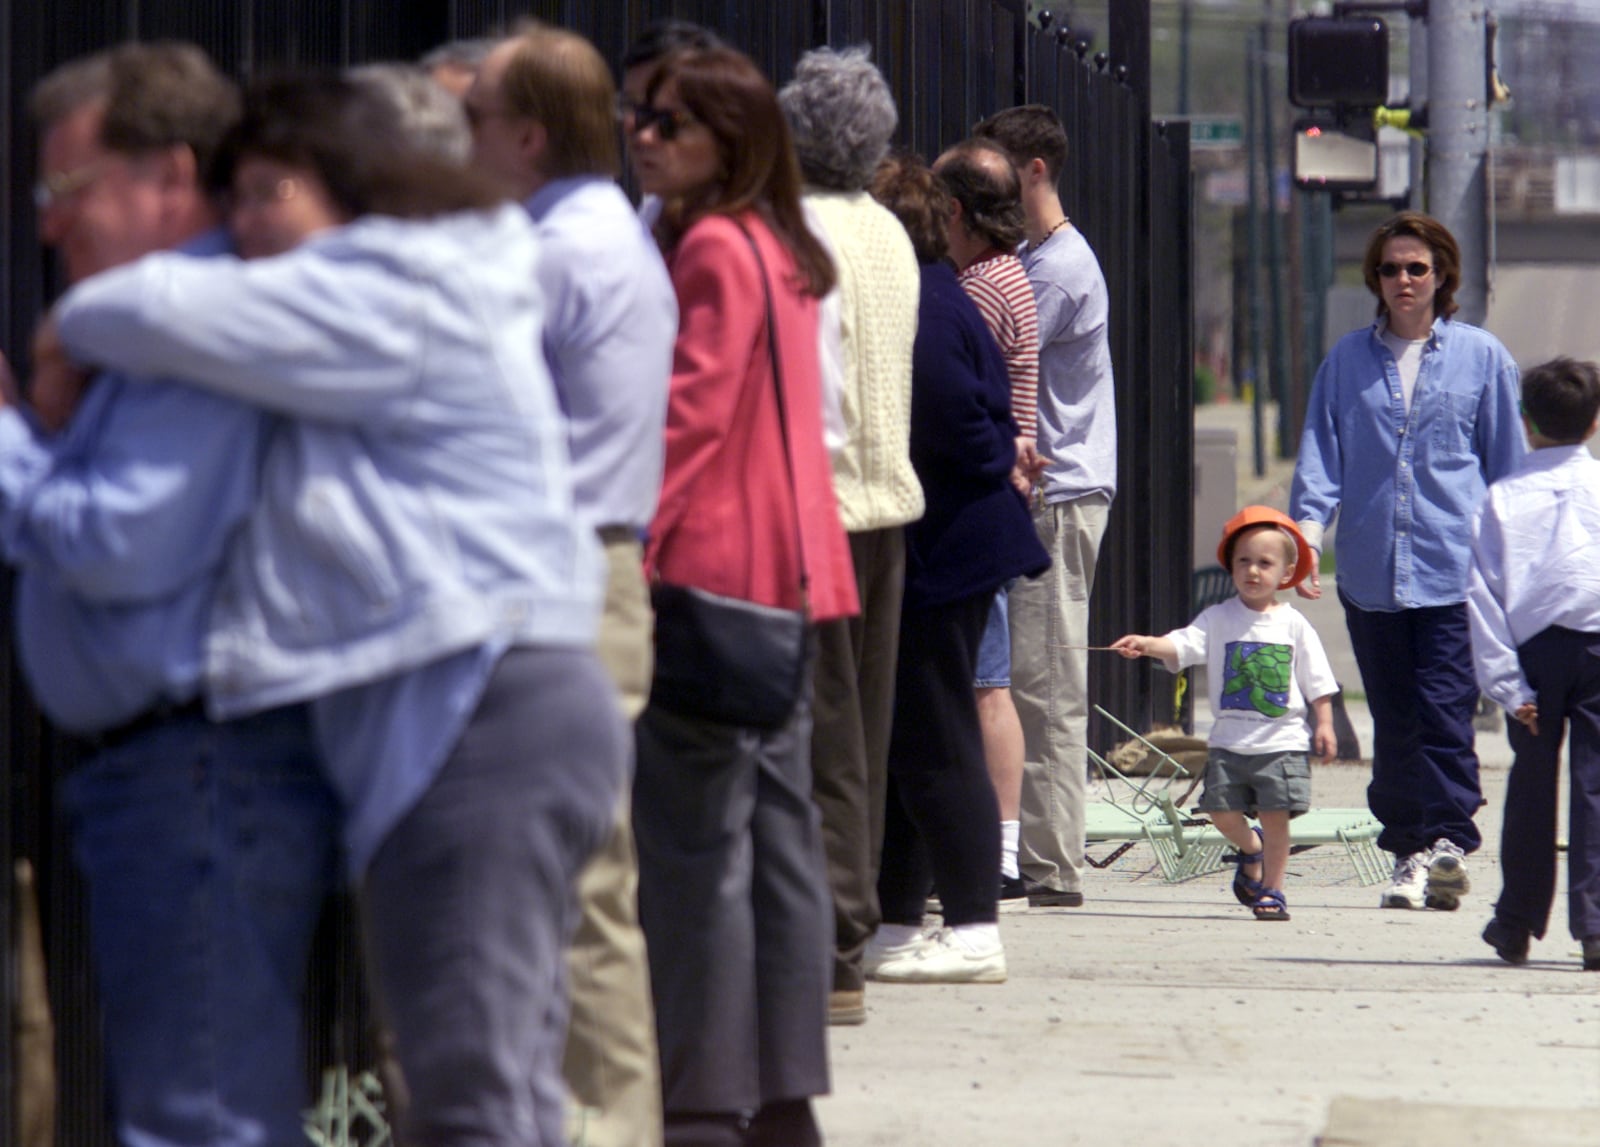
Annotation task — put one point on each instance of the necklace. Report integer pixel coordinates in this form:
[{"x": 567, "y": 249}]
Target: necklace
[{"x": 1064, "y": 221}]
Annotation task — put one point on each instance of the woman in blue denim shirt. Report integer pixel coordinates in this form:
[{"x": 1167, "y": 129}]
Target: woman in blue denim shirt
[{"x": 1410, "y": 419}]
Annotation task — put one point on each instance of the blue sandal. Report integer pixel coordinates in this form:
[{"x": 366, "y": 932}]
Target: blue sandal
[
  {"x": 1270, "y": 905},
  {"x": 1245, "y": 890}
]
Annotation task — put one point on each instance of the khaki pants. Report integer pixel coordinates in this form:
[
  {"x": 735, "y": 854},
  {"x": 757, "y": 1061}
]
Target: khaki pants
[
  {"x": 611, "y": 1064},
  {"x": 1050, "y": 685}
]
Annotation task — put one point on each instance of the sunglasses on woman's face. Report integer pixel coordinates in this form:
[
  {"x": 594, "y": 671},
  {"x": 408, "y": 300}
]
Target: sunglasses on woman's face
[
  {"x": 1415, "y": 270},
  {"x": 668, "y": 122}
]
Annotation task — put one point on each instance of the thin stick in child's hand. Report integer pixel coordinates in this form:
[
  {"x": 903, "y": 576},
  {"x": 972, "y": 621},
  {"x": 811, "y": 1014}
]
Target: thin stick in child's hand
[{"x": 1091, "y": 648}]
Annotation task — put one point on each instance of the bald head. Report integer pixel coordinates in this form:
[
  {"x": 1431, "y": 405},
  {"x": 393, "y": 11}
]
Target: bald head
[{"x": 988, "y": 196}]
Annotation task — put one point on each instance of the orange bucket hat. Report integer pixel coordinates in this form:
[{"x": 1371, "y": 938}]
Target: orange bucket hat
[{"x": 1267, "y": 516}]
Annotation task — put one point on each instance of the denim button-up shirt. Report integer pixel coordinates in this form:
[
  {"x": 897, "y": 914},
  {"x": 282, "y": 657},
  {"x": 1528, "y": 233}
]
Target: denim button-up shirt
[{"x": 1405, "y": 485}]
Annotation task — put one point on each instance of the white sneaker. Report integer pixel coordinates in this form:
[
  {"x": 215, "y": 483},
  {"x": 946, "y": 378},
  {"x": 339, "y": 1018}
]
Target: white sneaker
[
  {"x": 889, "y": 944},
  {"x": 947, "y": 959},
  {"x": 1408, "y": 886},
  {"x": 1447, "y": 876}
]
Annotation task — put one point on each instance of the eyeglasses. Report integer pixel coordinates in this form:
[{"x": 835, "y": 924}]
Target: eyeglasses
[
  {"x": 56, "y": 189},
  {"x": 1415, "y": 270},
  {"x": 668, "y": 122}
]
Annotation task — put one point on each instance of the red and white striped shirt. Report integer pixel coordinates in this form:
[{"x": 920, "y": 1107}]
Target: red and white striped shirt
[{"x": 999, "y": 286}]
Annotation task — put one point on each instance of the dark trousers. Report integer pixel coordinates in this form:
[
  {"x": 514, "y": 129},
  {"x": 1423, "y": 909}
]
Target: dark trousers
[
  {"x": 735, "y": 912},
  {"x": 471, "y": 900},
  {"x": 1563, "y": 667},
  {"x": 942, "y": 823},
  {"x": 850, "y": 742},
  {"x": 1416, "y": 666}
]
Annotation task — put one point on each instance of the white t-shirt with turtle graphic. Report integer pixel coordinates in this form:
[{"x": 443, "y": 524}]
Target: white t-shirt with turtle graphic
[{"x": 1261, "y": 667}]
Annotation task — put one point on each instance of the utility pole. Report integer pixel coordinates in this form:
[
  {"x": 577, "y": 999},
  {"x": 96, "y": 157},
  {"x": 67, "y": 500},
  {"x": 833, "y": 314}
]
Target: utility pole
[
  {"x": 1417, "y": 98},
  {"x": 1458, "y": 140}
]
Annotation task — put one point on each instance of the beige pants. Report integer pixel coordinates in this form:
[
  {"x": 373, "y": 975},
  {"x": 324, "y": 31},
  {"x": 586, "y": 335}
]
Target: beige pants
[
  {"x": 611, "y": 1065},
  {"x": 1050, "y": 685}
]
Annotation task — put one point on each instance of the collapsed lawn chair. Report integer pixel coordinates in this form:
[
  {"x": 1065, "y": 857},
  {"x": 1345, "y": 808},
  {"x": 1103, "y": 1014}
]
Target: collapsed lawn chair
[{"x": 1186, "y": 844}]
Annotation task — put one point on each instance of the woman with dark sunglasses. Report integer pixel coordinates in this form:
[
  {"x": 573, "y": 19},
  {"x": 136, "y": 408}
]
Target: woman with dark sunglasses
[
  {"x": 1410, "y": 420},
  {"x": 732, "y": 892}
]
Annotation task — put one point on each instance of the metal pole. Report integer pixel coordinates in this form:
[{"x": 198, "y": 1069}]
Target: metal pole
[
  {"x": 1185, "y": 22},
  {"x": 1252, "y": 271},
  {"x": 1269, "y": 158},
  {"x": 1458, "y": 141},
  {"x": 1418, "y": 98}
]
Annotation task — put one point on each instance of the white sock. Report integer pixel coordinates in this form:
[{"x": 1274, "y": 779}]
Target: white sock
[
  {"x": 975, "y": 939},
  {"x": 893, "y": 935},
  {"x": 1010, "y": 830}
]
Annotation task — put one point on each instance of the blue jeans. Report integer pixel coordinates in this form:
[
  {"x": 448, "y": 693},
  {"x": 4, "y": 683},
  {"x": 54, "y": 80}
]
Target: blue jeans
[{"x": 207, "y": 850}]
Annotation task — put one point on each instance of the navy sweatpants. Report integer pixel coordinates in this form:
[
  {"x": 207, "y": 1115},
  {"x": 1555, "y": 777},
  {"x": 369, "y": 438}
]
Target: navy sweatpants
[{"x": 1416, "y": 666}]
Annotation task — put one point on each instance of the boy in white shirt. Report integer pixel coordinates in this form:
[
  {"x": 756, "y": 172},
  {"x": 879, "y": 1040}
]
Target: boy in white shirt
[
  {"x": 1263, "y": 659},
  {"x": 1533, "y": 601}
]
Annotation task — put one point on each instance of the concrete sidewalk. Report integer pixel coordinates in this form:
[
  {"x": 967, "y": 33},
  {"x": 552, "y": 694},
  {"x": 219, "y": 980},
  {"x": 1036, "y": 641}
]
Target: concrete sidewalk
[{"x": 1165, "y": 1015}]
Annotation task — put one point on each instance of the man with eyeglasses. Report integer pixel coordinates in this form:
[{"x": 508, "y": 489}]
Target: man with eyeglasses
[
  {"x": 207, "y": 848},
  {"x": 541, "y": 110},
  {"x": 1409, "y": 422}
]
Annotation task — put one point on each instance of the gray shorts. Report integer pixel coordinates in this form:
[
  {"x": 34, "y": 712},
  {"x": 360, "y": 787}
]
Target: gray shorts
[{"x": 1250, "y": 782}]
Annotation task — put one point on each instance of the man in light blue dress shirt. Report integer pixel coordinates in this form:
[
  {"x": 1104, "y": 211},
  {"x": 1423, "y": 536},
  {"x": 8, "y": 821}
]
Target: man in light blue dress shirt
[
  {"x": 207, "y": 848},
  {"x": 1409, "y": 422},
  {"x": 541, "y": 111}
]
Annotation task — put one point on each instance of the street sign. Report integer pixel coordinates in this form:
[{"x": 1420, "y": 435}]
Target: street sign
[{"x": 1215, "y": 131}]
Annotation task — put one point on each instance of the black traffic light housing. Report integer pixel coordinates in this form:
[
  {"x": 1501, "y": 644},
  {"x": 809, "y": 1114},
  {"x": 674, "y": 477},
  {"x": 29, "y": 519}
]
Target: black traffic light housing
[{"x": 1338, "y": 63}]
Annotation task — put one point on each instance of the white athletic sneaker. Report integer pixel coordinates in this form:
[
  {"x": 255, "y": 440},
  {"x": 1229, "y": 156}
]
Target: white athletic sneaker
[
  {"x": 1408, "y": 886},
  {"x": 1447, "y": 876},
  {"x": 947, "y": 958},
  {"x": 890, "y": 944}
]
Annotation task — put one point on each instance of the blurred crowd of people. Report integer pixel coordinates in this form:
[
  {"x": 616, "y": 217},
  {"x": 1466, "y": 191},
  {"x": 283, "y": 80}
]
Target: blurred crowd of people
[
  {"x": 377, "y": 428},
  {"x": 373, "y": 417}
]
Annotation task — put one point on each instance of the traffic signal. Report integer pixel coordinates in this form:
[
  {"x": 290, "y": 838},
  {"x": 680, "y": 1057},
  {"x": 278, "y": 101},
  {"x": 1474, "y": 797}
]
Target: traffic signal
[{"x": 1338, "y": 63}]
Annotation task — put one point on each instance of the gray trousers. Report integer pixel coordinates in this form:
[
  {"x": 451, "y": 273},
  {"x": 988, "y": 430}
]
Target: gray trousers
[
  {"x": 735, "y": 909},
  {"x": 470, "y": 902}
]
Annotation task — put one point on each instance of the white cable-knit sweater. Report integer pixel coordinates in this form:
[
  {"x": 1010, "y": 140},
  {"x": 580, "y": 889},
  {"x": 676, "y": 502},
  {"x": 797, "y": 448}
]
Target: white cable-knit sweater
[{"x": 879, "y": 286}]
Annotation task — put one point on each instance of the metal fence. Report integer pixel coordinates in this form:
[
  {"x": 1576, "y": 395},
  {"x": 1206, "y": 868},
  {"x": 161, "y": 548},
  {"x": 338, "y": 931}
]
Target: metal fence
[{"x": 949, "y": 62}]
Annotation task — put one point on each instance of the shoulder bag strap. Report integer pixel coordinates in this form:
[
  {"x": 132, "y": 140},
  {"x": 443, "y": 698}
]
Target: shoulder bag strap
[{"x": 783, "y": 418}]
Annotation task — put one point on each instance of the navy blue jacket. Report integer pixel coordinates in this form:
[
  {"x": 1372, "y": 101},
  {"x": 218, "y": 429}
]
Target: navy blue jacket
[{"x": 976, "y": 534}]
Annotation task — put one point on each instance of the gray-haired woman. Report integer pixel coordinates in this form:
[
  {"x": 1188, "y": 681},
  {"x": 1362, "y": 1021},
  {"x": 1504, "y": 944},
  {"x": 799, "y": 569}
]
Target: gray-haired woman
[{"x": 842, "y": 115}]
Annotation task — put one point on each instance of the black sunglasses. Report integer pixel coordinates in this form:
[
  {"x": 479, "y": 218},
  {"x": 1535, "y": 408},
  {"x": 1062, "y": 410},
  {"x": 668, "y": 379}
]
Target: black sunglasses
[
  {"x": 1415, "y": 270},
  {"x": 667, "y": 122}
]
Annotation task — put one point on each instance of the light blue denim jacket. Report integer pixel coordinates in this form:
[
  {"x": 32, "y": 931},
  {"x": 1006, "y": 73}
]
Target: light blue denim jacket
[
  {"x": 118, "y": 528},
  {"x": 387, "y": 536},
  {"x": 1405, "y": 486}
]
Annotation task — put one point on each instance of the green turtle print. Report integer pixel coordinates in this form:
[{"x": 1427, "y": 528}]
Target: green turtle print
[{"x": 1257, "y": 677}]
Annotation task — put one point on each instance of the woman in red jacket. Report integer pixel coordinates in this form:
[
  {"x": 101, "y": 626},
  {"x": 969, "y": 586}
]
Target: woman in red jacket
[{"x": 732, "y": 893}]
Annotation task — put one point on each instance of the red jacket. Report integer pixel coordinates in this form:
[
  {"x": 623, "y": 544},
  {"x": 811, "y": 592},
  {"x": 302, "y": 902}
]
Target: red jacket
[{"x": 726, "y": 520}]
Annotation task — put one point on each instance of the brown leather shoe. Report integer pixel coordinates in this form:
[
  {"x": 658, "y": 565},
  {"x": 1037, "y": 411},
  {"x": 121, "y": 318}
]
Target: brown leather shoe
[
  {"x": 846, "y": 1009},
  {"x": 1591, "y": 953}
]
